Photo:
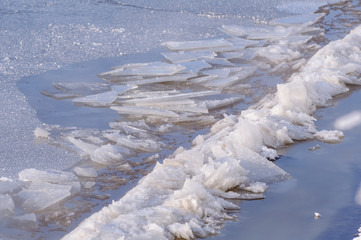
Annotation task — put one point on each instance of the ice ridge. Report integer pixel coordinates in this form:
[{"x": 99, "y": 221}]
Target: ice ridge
[{"x": 186, "y": 196}]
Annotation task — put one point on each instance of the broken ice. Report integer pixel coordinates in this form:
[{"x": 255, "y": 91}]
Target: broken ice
[
  {"x": 179, "y": 57},
  {"x": 101, "y": 99},
  {"x": 195, "y": 45},
  {"x": 146, "y": 69}
]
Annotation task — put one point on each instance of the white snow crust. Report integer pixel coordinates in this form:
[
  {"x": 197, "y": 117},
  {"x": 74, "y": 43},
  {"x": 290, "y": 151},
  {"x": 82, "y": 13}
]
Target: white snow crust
[{"x": 186, "y": 195}]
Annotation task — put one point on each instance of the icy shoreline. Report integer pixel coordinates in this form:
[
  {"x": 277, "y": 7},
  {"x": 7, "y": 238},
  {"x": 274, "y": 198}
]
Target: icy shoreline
[
  {"x": 63, "y": 185},
  {"x": 218, "y": 162}
]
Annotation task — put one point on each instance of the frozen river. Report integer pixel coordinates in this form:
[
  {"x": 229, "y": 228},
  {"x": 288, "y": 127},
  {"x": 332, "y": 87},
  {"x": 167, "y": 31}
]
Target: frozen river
[{"x": 201, "y": 62}]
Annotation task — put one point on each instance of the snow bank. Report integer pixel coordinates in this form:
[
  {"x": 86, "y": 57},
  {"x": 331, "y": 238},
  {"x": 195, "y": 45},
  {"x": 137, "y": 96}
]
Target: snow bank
[{"x": 186, "y": 196}]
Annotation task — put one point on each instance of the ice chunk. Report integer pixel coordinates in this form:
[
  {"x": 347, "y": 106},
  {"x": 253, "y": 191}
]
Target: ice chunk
[
  {"x": 235, "y": 30},
  {"x": 329, "y": 136},
  {"x": 200, "y": 80},
  {"x": 166, "y": 102},
  {"x": 214, "y": 104},
  {"x": 146, "y": 145},
  {"x": 276, "y": 54},
  {"x": 233, "y": 55},
  {"x": 195, "y": 45},
  {"x": 41, "y": 133},
  {"x": 51, "y": 176},
  {"x": 7, "y": 206},
  {"x": 185, "y": 118},
  {"x": 256, "y": 187},
  {"x": 191, "y": 108},
  {"x": 195, "y": 66},
  {"x": 113, "y": 77},
  {"x": 59, "y": 94},
  {"x": 221, "y": 82},
  {"x": 348, "y": 121},
  {"x": 101, "y": 99},
  {"x": 241, "y": 74},
  {"x": 181, "y": 77},
  {"x": 109, "y": 154},
  {"x": 82, "y": 88},
  {"x": 120, "y": 89},
  {"x": 137, "y": 110},
  {"x": 85, "y": 172},
  {"x": 131, "y": 127},
  {"x": 88, "y": 184},
  {"x": 26, "y": 221},
  {"x": 179, "y": 57},
  {"x": 146, "y": 69},
  {"x": 145, "y": 94},
  {"x": 259, "y": 33},
  {"x": 304, "y": 20},
  {"x": 241, "y": 43},
  {"x": 220, "y": 72},
  {"x": 8, "y": 186},
  {"x": 42, "y": 195},
  {"x": 173, "y": 97},
  {"x": 260, "y": 169},
  {"x": 220, "y": 62},
  {"x": 105, "y": 154},
  {"x": 270, "y": 33}
]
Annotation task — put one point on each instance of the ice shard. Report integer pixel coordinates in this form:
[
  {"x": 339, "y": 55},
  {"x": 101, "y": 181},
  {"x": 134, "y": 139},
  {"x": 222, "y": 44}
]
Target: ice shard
[{"x": 197, "y": 45}]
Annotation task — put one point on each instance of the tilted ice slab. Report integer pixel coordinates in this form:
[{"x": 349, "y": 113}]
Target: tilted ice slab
[
  {"x": 100, "y": 99},
  {"x": 185, "y": 196},
  {"x": 145, "y": 69},
  {"x": 181, "y": 56},
  {"x": 196, "y": 45},
  {"x": 181, "y": 77}
]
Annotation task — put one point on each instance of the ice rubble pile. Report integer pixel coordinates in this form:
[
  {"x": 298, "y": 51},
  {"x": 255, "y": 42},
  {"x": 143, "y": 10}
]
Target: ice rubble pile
[{"x": 186, "y": 196}]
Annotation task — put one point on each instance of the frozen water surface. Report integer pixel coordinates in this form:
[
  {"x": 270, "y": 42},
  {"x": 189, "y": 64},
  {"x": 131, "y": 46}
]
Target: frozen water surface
[{"x": 188, "y": 182}]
